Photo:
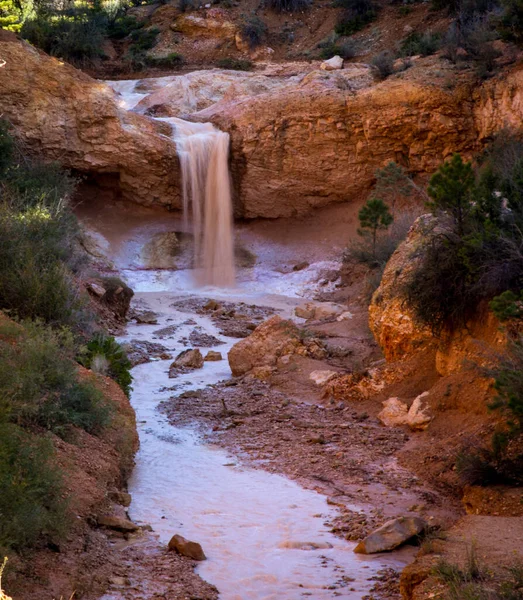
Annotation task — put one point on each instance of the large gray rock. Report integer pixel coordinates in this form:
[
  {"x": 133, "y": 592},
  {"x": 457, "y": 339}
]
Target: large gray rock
[
  {"x": 189, "y": 359},
  {"x": 186, "y": 548},
  {"x": 391, "y": 535}
]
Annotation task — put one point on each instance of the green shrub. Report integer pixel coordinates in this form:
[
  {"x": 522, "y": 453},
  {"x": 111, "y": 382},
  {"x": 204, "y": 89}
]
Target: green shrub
[
  {"x": 114, "y": 357},
  {"x": 357, "y": 14},
  {"x": 374, "y": 216},
  {"x": 511, "y": 26},
  {"x": 480, "y": 255},
  {"x": 143, "y": 39},
  {"x": 288, "y": 5},
  {"x": 170, "y": 61},
  {"x": 235, "y": 64},
  {"x": 6, "y": 148},
  {"x": 253, "y": 31},
  {"x": 420, "y": 43},
  {"x": 40, "y": 386},
  {"x": 332, "y": 48},
  {"x": 383, "y": 64},
  {"x": 77, "y": 39},
  {"x": 31, "y": 504},
  {"x": 123, "y": 26}
]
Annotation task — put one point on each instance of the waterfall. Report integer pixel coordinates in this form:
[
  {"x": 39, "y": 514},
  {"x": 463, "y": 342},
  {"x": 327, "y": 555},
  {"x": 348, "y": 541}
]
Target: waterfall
[{"x": 203, "y": 151}]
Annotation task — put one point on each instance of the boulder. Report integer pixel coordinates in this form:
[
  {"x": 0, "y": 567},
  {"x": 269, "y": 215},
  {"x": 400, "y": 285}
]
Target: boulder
[
  {"x": 186, "y": 548},
  {"x": 213, "y": 26},
  {"x": 96, "y": 289},
  {"x": 392, "y": 534},
  {"x": 147, "y": 317},
  {"x": 319, "y": 310},
  {"x": 117, "y": 523},
  {"x": 395, "y": 412},
  {"x": 418, "y": 418},
  {"x": 333, "y": 64},
  {"x": 321, "y": 377},
  {"x": 122, "y": 498},
  {"x": 189, "y": 359},
  {"x": 61, "y": 114},
  {"x": 270, "y": 340},
  {"x": 213, "y": 356}
]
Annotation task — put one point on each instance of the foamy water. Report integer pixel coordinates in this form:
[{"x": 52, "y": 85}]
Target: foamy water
[
  {"x": 265, "y": 537},
  {"x": 203, "y": 152}
]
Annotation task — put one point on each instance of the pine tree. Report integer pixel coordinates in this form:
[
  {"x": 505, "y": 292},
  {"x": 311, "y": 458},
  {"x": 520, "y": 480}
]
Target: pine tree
[
  {"x": 451, "y": 188},
  {"x": 375, "y": 215}
]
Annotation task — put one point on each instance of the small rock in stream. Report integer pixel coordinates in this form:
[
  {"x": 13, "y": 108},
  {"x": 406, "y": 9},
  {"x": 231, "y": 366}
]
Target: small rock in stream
[{"x": 186, "y": 548}]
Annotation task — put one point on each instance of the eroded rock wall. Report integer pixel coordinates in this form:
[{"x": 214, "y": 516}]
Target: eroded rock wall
[{"x": 61, "y": 114}]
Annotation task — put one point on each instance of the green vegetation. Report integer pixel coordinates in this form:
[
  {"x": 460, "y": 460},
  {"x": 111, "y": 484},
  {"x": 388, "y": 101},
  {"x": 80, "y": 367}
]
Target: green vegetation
[
  {"x": 373, "y": 217},
  {"x": 475, "y": 582},
  {"x": 40, "y": 387},
  {"x": 288, "y": 5},
  {"x": 480, "y": 254},
  {"x": 424, "y": 44},
  {"x": 357, "y": 14},
  {"x": 333, "y": 47},
  {"x": 170, "y": 61},
  {"x": 235, "y": 64},
  {"x": 31, "y": 504},
  {"x": 253, "y": 31},
  {"x": 383, "y": 64},
  {"x": 103, "y": 354},
  {"x": 41, "y": 392}
]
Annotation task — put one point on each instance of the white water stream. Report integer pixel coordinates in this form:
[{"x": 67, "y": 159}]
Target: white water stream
[{"x": 264, "y": 536}]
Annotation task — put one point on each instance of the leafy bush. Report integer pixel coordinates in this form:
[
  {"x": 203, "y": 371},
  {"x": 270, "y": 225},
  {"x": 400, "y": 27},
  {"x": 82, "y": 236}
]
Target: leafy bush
[
  {"x": 332, "y": 48},
  {"x": 114, "y": 357},
  {"x": 288, "y": 5},
  {"x": 235, "y": 64},
  {"x": 383, "y": 64},
  {"x": 420, "y": 43},
  {"x": 511, "y": 26},
  {"x": 377, "y": 255},
  {"x": 38, "y": 235},
  {"x": 123, "y": 26},
  {"x": 143, "y": 39},
  {"x": 480, "y": 255},
  {"x": 357, "y": 14},
  {"x": 40, "y": 387},
  {"x": 77, "y": 39},
  {"x": 253, "y": 31},
  {"x": 31, "y": 503},
  {"x": 170, "y": 61}
]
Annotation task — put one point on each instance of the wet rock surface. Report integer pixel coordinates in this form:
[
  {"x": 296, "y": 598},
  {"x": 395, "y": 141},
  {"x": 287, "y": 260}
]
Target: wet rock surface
[
  {"x": 392, "y": 534},
  {"x": 232, "y": 319},
  {"x": 338, "y": 451},
  {"x": 142, "y": 351},
  {"x": 186, "y": 548}
]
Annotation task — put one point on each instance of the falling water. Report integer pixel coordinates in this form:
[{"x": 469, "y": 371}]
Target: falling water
[{"x": 203, "y": 151}]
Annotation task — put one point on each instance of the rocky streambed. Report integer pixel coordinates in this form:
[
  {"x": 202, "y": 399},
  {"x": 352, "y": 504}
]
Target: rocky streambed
[{"x": 276, "y": 484}]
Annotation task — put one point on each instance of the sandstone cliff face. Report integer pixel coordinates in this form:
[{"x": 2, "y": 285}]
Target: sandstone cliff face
[
  {"x": 62, "y": 114},
  {"x": 322, "y": 140},
  {"x": 399, "y": 333},
  {"x": 300, "y": 137}
]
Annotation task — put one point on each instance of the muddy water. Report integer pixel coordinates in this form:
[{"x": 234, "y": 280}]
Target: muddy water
[{"x": 265, "y": 537}]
